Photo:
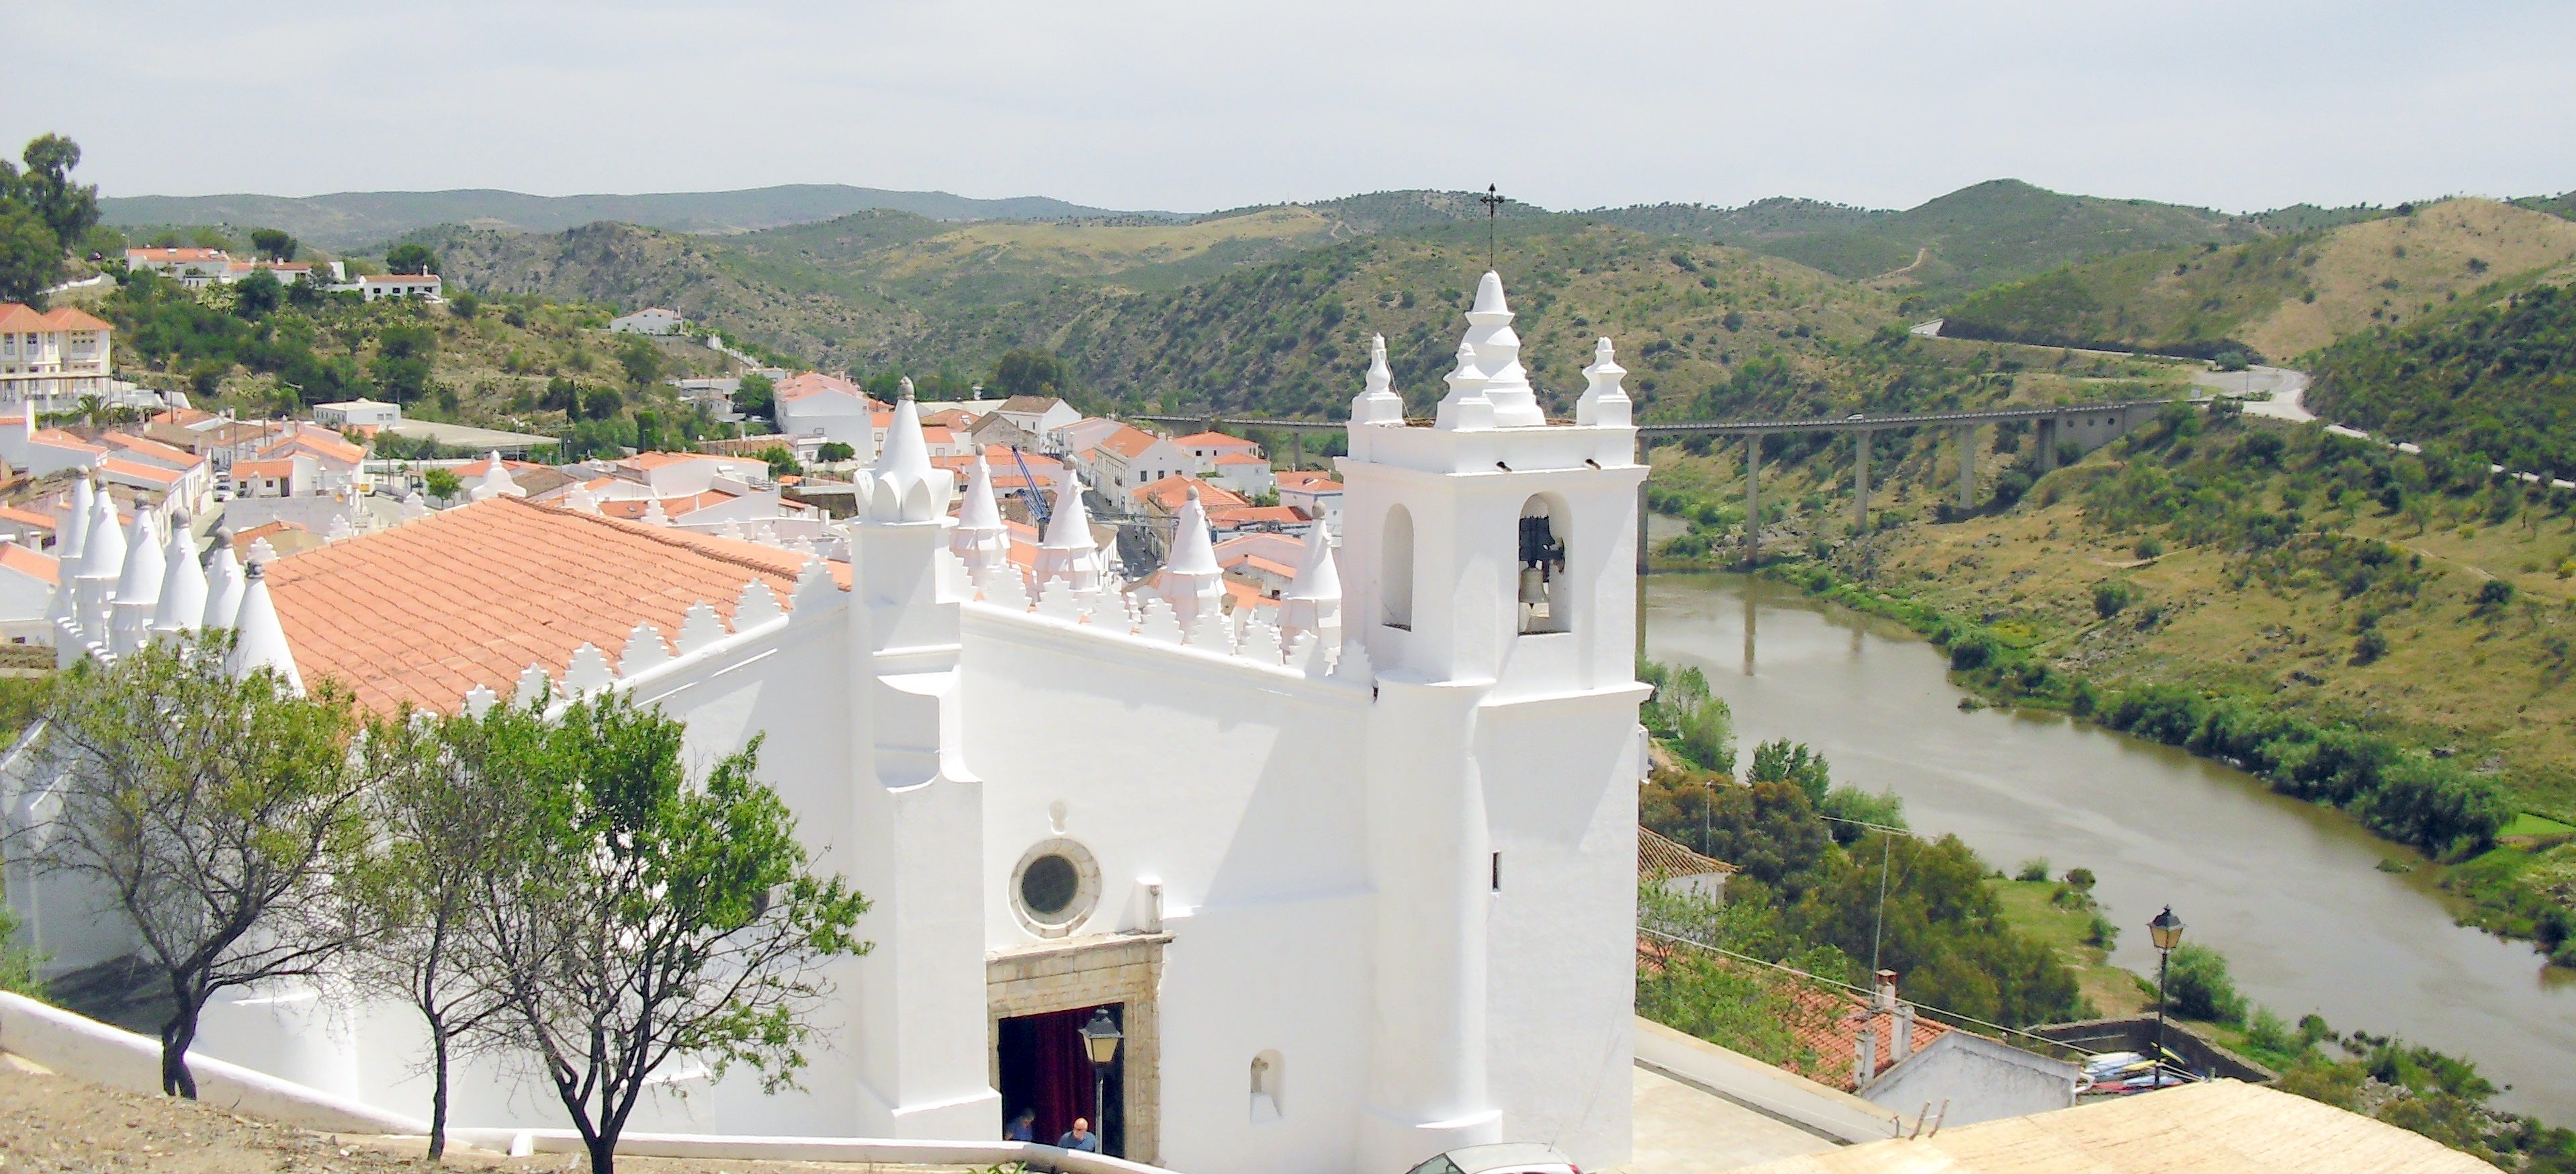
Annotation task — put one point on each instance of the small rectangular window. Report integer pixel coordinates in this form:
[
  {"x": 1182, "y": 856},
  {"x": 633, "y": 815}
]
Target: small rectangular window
[{"x": 1498, "y": 872}]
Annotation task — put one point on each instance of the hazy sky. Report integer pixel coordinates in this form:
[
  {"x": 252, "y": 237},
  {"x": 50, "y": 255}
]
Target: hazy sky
[{"x": 1191, "y": 106}]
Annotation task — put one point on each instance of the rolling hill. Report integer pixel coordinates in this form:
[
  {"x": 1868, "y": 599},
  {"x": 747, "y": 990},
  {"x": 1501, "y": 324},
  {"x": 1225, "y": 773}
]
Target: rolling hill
[
  {"x": 352, "y": 220},
  {"x": 2282, "y": 296}
]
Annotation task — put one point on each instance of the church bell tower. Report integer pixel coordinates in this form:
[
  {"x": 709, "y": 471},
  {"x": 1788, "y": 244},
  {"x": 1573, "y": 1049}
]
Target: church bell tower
[{"x": 1490, "y": 573}]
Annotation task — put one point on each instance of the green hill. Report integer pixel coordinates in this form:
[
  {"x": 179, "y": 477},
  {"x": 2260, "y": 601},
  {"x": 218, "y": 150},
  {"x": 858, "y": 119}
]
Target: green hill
[
  {"x": 349, "y": 220},
  {"x": 2498, "y": 381},
  {"x": 2281, "y": 296}
]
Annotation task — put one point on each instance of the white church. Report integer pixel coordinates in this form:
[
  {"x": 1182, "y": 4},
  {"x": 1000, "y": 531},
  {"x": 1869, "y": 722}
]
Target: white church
[{"x": 1356, "y": 888}]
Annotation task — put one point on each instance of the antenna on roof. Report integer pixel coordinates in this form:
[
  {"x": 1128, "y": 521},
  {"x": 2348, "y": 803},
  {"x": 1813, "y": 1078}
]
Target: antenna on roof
[{"x": 1493, "y": 202}]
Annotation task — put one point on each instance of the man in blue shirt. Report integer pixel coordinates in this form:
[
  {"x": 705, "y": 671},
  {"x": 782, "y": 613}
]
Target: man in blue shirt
[
  {"x": 1023, "y": 1127},
  {"x": 1082, "y": 1138}
]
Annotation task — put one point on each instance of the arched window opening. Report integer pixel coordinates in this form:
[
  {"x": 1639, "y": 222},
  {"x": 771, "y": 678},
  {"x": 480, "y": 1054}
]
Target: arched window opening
[
  {"x": 1544, "y": 602},
  {"x": 1268, "y": 1104},
  {"x": 1395, "y": 571}
]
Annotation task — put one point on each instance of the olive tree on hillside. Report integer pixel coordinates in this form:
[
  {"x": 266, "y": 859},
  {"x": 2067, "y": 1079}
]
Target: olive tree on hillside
[
  {"x": 214, "y": 811},
  {"x": 633, "y": 920}
]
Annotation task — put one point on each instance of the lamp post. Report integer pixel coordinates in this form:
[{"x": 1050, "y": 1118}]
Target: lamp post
[
  {"x": 1100, "y": 1038},
  {"x": 2166, "y": 930}
]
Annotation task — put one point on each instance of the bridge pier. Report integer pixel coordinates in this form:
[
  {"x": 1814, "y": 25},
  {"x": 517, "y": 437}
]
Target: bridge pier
[
  {"x": 2044, "y": 434},
  {"x": 1967, "y": 467},
  {"x": 1752, "y": 500},
  {"x": 1860, "y": 481}
]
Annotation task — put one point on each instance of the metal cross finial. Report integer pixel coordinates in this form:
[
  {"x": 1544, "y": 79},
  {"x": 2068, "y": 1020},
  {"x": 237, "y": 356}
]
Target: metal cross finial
[{"x": 1493, "y": 202}]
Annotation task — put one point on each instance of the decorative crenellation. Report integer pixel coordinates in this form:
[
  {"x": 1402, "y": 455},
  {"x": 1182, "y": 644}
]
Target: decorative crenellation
[{"x": 756, "y": 612}]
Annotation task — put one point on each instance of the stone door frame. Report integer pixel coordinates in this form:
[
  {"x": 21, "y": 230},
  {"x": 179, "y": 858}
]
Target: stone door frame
[{"x": 1071, "y": 973}]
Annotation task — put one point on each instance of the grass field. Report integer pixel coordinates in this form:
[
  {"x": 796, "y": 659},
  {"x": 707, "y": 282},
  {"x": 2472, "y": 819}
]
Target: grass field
[{"x": 2029, "y": 906}]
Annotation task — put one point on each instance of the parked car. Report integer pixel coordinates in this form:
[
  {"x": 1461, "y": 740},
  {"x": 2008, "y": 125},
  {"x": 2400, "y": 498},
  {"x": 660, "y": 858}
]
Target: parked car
[{"x": 1505, "y": 1157}]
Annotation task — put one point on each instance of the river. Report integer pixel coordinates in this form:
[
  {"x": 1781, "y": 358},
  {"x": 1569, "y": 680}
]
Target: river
[{"x": 2289, "y": 892}]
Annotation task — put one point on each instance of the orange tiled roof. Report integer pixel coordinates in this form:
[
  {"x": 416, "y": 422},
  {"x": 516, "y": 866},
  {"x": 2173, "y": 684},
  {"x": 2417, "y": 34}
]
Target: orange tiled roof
[
  {"x": 1168, "y": 494},
  {"x": 1661, "y": 858},
  {"x": 635, "y": 507},
  {"x": 1250, "y": 515},
  {"x": 152, "y": 450},
  {"x": 334, "y": 447},
  {"x": 816, "y": 383},
  {"x": 141, "y": 471},
  {"x": 26, "y": 517},
  {"x": 21, "y": 317},
  {"x": 1128, "y": 441},
  {"x": 471, "y": 596},
  {"x": 278, "y": 469},
  {"x": 1240, "y": 458},
  {"x": 58, "y": 438},
  {"x": 34, "y": 565},
  {"x": 1213, "y": 440},
  {"x": 956, "y": 418},
  {"x": 1830, "y": 1023},
  {"x": 172, "y": 253},
  {"x": 276, "y": 529},
  {"x": 654, "y": 460},
  {"x": 1309, "y": 481},
  {"x": 1045, "y": 471}
]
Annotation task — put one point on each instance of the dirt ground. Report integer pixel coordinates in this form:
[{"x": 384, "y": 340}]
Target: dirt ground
[{"x": 54, "y": 1123}]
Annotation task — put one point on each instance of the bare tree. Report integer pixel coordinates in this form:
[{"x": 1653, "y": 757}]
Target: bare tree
[
  {"x": 214, "y": 809},
  {"x": 638, "y": 921}
]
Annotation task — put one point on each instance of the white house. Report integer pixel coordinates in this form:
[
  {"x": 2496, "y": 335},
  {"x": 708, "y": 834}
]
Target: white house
[
  {"x": 835, "y": 409},
  {"x": 357, "y": 413},
  {"x": 52, "y": 354},
  {"x": 189, "y": 266},
  {"x": 1314, "y": 494},
  {"x": 27, "y": 580},
  {"x": 399, "y": 285},
  {"x": 1038, "y": 416},
  {"x": 1244, "y": 473},
  {"x": 37, "y": 451},
  {"x": 1129, "y": 457},
  {"x": 651, "y": 320},
  {"x": 1357, "y": 886}
]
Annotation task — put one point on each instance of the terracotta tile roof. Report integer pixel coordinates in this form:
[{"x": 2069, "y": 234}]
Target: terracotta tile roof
[
  {"x": 1046, "y": 471},
  {"x": 184, "y": 417},
  {"x": 1308, "y": 481},
  {"x": 277, "y": 469},
  {"x": 1238, "y": 516},
  {"x": 816, "y": 383},
  {"x": 271, "y": 530},
  {"x": 429, "y": 609},
  {"x": 21, "y": 317},
  {"x": 140, "y": 471},
  {"x": 957, "y": 418},
  {"x": 1029, "y": 405},
  {"x": 42, "y": 567},
  {"x": 167, "y": 253},
  {"x": 634, "y": 508},
  {"x": 26, "y": 517},
  {"x": 335, "y": 448},
  {"x": 58, "y": 438},
  {"x": 1128, "y": 441},
  {"x": 1169, "y": 493},
  {"x": 1213, "y": 440},
  {"x": 1238, "y": 458},
  {"x": 1274, "y": 567},
  {"x": 644, "y": 461},
  {"x": 481, "y": 465},
  {"x": 1661, "y": 858},
  {"x": 1829, "y": 1024},
  {"x": 150, "y": 450}
]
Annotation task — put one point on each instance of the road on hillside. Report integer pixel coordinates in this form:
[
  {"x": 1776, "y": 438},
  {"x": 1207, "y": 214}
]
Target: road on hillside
[{"x": 2289, "y": 389}]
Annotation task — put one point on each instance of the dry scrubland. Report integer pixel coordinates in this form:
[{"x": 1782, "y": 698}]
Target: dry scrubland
[{"x": 2427, "y": 258}]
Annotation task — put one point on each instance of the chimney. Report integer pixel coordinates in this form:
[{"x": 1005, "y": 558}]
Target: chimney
[
  {"x": 1864, "y": 1056},
  {"x": 1887, "y": 990}
]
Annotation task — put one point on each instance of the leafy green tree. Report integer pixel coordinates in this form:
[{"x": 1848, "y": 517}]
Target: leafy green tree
[
  {"x": 442, "y": 484},
  {"x": 258, "y": 295},
  {"x": 410, "y": 258},
  {"x": 30, "y": 255},
  {"x": 834, "y": 450},
  {"x": 69, "y": 209},
  {"x": 757, "y": 397},
  {"x": 782, "y": 460},
  {"x": 2198, "y": 986},
  {"x": 642, "y": 361},
  {"x": 432, "y": 791},
  {"x": 215, "y": 808},
  {"x": 273, "y": 244},
  {"x": 601, "y": 403},
  {"x": 633, "y": 919},
  {"x": 1027, "y": 372}
]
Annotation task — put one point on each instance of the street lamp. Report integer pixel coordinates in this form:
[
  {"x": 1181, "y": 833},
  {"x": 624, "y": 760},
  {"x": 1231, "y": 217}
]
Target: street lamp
[
  {"x": 2166, "y": 931},
  {"x": 1100, "y": 1038}
]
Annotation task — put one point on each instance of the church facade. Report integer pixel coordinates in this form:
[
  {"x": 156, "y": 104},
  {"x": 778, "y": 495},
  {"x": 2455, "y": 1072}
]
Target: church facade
[{"x": 1355, "y": 889}]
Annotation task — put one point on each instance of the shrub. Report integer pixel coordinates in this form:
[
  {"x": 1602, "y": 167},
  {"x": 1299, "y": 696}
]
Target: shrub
[
  {"x": 2033, "y": 869},
  {"x": 2150, "y": 547},
  {"x": 2198, "y": 987},
  {"x": 2080, "y": 879},
  {"x": 2370, "y": 646},
  {"x": 2111, "y": 596}
]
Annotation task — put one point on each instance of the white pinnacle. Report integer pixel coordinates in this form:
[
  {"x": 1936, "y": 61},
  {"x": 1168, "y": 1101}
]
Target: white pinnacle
[
  {"x": 182, "y": 606},
  {"x": 1498, "y": 351},
  {"x": 1377, "y": 402},
  {"x": 1465, "y": 408},
  {"x": 1604, "y": 402}
]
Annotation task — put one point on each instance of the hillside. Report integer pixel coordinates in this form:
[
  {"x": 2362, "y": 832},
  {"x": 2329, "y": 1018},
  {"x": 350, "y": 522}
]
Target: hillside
[
  {"x": 1991, "y": 232},
  {"x": 2499, "y": 381},
  {"x": 349, "y": 220},
  {"x": 2280, "y": 297}
]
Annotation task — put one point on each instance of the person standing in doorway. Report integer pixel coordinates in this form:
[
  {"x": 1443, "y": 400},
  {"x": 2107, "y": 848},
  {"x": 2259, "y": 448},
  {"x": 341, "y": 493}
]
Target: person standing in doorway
[
  {"x": 1023, "y": 1127},
  {"x": 1082, "y": 1138}
]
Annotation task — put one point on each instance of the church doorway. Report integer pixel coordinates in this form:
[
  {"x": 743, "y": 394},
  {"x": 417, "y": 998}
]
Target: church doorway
[{"x": 1045, "y": 1068}]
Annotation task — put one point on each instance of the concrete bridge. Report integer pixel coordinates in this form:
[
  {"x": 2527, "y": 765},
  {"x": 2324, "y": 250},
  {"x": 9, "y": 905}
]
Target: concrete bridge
[{"x": 2088, "y": 426}]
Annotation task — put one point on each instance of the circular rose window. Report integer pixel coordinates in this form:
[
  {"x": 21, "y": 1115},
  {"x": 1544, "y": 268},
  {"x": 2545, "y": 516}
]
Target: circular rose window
[{"x": 1055, "y": 886}]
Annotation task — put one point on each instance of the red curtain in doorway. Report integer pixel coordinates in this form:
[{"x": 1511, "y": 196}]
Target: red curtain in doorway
[{"x": 1045, "y": 1067}]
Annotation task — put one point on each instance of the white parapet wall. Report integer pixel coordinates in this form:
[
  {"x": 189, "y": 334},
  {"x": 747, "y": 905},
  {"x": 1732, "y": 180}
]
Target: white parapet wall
[
  {"x": 1764, "y": 1088},
  {"x": 100, "y": 1053}
]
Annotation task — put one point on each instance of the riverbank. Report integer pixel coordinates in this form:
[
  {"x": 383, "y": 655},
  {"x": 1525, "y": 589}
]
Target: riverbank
[{"x": 2291, "y": 892}]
